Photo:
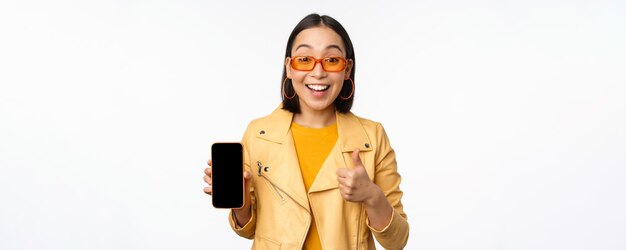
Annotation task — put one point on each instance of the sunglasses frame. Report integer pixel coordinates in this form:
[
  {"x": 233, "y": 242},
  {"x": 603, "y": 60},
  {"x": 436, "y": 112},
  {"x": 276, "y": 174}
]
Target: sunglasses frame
[{"x": 320, "y": 61}]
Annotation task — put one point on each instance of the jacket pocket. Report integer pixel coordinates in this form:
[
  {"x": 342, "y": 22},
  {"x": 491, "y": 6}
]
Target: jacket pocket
[{"x": 261, "y": 242}]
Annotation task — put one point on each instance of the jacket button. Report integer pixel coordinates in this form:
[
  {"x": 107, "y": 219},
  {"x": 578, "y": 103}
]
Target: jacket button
[
  {"x": 262, "y": 132},
  {"x": 367, "y": 145}
]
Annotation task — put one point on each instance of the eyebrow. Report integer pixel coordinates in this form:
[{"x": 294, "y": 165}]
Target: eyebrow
[{"x": 327, "y": 47}]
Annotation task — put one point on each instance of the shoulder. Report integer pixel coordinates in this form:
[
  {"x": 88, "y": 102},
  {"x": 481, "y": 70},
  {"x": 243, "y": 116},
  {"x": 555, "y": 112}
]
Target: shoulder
[
  {"x": 367, "y": 121},
  {"x": 258, "y": 121},
  {"x": 273, "y": 126},
  {"x": 277, "y": 116},
  {"x": 368, "y": 124}
]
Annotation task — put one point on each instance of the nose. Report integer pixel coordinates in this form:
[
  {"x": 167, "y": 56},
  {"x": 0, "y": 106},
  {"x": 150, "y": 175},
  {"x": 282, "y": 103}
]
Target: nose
[{"x": 318, "y": 71}]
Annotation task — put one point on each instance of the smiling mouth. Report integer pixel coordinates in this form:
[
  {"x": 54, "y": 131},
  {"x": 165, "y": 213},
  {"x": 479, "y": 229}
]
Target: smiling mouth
[{"x": 317, "y": 87}]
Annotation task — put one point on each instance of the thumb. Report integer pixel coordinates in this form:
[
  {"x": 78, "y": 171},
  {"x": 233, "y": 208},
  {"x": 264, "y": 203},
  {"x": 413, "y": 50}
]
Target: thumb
[
  {"x": 357, "y": 159},
  {"x": 247, "y": 177}
]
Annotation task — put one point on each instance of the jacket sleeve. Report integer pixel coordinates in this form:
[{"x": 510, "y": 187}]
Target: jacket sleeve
[
  {"x": 248, "y": 230},
  {"x": 396, "y": 234}
]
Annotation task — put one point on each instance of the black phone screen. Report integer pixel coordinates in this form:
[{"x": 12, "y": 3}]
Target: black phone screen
[{"x": 227, "y": 175}]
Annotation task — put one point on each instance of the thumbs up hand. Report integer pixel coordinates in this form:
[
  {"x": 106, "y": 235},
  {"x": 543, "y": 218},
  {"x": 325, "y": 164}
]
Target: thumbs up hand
[{"x": 354, "y": 184}]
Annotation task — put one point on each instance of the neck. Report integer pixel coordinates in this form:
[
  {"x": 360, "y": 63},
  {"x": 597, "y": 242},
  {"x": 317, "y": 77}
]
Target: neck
[{"x": 315, "y": 118}]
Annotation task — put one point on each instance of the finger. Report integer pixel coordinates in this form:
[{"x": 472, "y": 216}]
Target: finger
[
  {"x": 247, "y": 180},
  {"x": 342, "y": 182},
  {"x": 345, "y": 181},
  {"x": 342, "y": 190},
  {"x": 345, "y": 189},
  {"x": 347, "y": 192},
  {"x": 343, "y": 172},
  {"x": 209, "y": 162},
  {"x": 346, "y": 196},
  {"x": 356, "y": 158},
  {"x": 207, "y": 179},
  {"x": 207, "y": 171},
  {"x": 348, "y": 183},
  {"x": 208, "y": 190}
]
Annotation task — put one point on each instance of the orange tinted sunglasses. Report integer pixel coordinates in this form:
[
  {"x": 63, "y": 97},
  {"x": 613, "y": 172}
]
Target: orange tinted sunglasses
[{"x": 329, "y": 64}]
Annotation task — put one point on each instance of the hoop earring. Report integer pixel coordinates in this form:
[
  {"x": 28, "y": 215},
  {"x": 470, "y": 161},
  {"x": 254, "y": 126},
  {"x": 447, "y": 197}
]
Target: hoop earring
[
  {"x": 351, "y": 93},
  {"x": 285, "y": 94}
]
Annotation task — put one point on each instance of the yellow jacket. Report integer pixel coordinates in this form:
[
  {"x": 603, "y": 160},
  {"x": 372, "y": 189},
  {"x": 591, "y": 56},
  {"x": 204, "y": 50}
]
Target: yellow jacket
[{"x": 281, "y": 214}]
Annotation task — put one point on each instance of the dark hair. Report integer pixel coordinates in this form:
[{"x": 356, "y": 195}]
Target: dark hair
[{"x": 310, "y": 21}]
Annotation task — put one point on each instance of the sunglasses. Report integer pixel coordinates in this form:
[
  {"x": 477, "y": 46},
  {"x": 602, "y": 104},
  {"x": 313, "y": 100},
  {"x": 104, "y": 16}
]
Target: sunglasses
[{"x": 329, "y": 64}]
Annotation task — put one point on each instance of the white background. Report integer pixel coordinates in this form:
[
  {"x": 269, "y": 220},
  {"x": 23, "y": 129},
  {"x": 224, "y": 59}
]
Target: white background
[{"x": 508, "y": 117}]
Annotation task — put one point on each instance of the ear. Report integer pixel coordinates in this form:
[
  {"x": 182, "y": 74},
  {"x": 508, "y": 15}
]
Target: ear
[
  {"x": 288, "y": 67},
  {"x": 349, "y": 65}
]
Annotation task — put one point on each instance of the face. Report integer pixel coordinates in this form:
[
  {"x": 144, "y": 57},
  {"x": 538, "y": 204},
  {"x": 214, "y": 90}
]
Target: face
[{"x": 317, "y": 89}]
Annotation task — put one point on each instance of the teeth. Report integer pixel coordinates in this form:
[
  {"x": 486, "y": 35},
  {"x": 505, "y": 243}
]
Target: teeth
[{"x": 317, "y": 87}]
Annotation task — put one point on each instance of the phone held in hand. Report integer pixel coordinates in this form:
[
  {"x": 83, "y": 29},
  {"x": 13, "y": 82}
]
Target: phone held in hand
[{"x": 227, "y": 175}]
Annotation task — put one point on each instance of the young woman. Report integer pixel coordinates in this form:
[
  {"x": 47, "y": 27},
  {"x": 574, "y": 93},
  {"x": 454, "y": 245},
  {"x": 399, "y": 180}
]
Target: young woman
[{"x": 319, "y": 177}]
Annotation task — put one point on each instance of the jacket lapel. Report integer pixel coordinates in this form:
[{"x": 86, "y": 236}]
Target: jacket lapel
[
  {"x": 283, "y": 167},
  {"x": 351, "y": 136},
  {"x": 285, "y": 172}
]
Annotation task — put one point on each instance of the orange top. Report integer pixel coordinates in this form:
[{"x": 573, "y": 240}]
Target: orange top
[{"x": 313, "y": 145}]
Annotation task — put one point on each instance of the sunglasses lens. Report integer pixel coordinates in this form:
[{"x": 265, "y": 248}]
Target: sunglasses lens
[
  {"x": 302, "y": 63},
  {"x": 306, "y": 63},
  {"x": 334, "y": 64}
]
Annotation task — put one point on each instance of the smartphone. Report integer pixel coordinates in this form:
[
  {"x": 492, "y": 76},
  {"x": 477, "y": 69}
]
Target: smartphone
[{"x": 227, "y": 175}]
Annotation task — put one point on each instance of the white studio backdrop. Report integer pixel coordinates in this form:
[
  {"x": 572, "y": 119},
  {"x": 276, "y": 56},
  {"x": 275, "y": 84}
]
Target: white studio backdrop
[{"x": 508, "y": 117}]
